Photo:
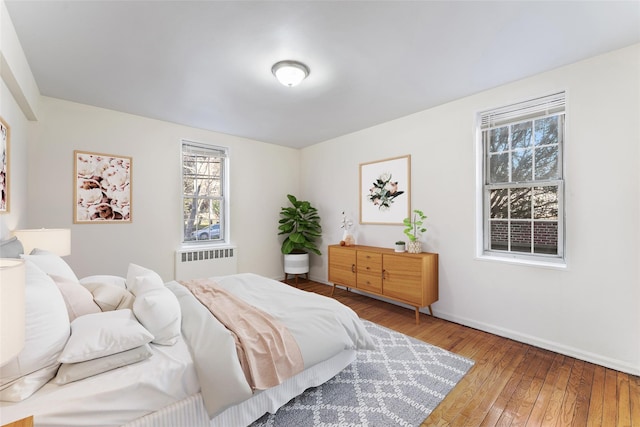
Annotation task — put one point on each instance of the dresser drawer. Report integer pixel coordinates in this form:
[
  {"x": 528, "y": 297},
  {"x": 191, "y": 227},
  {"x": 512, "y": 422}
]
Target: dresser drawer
[
  {"x": 369, "y": 262},
  {"x": 371, "y": 282}
]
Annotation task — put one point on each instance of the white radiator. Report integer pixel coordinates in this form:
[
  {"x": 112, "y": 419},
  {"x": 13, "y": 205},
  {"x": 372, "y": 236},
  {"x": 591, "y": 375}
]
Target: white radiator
[{"x": 203, "y": 263}]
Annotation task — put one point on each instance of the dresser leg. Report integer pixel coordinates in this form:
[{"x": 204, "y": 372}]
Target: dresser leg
[
  {"x": 417, "y": 315},
  {"x": 333, "y": 289}
]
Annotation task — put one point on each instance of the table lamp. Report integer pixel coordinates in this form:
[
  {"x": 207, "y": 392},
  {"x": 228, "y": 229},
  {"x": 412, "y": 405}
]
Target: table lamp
[{"x": 56, "y": 240}]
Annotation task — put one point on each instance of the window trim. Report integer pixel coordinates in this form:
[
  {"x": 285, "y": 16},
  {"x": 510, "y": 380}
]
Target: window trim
[
  {"x": 528, "y": 112},
  {"x": 225, "y": 223}
]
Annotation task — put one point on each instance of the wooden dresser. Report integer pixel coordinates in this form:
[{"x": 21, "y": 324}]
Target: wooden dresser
[
  {"x": 25, "y": 422},
  {"x": 399, "y": 276}
]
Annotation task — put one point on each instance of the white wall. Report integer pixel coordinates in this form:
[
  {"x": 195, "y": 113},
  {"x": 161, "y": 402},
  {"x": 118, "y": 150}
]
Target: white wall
[
  {"x": 261, "y": 176},
  {"x": 18, "y": 101},
  {"x": 11, "y": 113},
  {"x": 590, "y": 310}
]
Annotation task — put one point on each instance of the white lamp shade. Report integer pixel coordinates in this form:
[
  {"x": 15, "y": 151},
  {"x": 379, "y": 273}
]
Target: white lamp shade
[
  {"x": 56, "y": 240},
  {"x": 290, "y": 73},
  {"x": 12, "y": 316}
]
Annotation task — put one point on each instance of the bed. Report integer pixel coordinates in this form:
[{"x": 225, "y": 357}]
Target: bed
[{"x": 148, "y": 353}]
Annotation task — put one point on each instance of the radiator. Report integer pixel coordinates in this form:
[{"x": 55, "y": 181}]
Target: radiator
[{"x": 203, "y": 263}]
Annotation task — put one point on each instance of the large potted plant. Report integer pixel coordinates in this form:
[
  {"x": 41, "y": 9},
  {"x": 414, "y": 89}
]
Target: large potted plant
[
  {"x": 300, "y": 223},
  {"x": 413, "y": 230}
]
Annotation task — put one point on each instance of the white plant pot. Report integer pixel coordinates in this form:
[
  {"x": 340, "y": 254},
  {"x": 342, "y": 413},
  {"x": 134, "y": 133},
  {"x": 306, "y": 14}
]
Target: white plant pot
[
  {"x": 414, "y": 247},
  {"x": 296, "y": 263},
  {"x": 399, "y": 248}
]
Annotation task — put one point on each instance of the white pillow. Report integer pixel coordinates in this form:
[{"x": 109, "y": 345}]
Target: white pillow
[
  {"x": 110, "y": 297},
  {"x": 103, "y": 334},
  {"x": 140, "y": 279},
  {"x": 47, "y": 331},
  {"x": 159, "y": 312},
  {"x": 51, "y": 263},
  {"x": 121, "y": 282},
  {"x": 70, "y": 372},
  {"x": 77, "y": 298}
]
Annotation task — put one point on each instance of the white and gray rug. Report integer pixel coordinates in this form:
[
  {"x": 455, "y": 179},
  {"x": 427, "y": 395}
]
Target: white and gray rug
[{"x": 399, "y": 384}]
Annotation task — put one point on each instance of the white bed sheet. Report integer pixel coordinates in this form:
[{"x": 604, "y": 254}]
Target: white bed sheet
[
  {"x": 191, "y": 412},
  {"x": 112, "y": 398}
]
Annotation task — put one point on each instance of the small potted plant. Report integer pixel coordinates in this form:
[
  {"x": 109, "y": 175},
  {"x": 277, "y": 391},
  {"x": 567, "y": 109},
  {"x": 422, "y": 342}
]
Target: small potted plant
[
  {"x": 300, "y": 223},
  {"x": 413, "y": 230},
  {"x": 400, "y": 246}
]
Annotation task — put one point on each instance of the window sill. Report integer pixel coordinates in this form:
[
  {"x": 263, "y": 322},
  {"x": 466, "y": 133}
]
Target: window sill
[
  {"x": 556, "y": 264},
  {"x": 201, "y": 245}
]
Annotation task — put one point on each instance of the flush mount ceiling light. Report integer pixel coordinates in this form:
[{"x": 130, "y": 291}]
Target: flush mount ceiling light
[{"x": 290, "y": 73}]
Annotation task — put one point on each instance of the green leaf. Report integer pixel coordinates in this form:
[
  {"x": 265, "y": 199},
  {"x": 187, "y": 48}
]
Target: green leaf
[
  {"x": 297, "y": 237},
  {"x": 287, "y": 246}
]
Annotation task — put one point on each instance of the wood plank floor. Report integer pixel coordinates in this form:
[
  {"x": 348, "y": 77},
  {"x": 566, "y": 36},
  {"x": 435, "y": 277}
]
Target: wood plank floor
[{"x": 511, "y": 383}]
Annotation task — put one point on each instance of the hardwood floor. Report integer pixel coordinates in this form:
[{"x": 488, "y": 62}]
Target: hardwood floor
[{"x": 511, "y": 383}]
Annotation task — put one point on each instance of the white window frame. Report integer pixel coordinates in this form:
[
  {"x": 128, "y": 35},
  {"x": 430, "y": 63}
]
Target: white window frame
[
  {"x": 224, "y": 221},
  {"x": 554, "y": 104}
]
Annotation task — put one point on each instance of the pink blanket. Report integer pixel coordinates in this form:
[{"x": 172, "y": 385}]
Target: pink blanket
[{"x": 267, "y": 351}]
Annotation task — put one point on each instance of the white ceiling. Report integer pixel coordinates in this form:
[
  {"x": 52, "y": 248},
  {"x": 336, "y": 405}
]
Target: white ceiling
[{"x": 207, "y": 64}]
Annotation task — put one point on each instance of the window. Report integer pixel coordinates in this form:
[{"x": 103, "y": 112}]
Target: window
[
  {"x": 204, "y": 195},
  {"x": 523, "y": 187}
]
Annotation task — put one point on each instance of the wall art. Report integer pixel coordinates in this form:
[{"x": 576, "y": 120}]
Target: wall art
[
  {"x": 385, "y": 191},
  {"x": 5, "y": 136},
  {"x": 102, "y": 188}
]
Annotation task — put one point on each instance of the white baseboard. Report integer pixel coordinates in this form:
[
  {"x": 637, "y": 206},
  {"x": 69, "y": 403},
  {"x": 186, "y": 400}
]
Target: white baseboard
[
  {"x": 586, "y": 356},
  {"x": 577, "y": 353}
]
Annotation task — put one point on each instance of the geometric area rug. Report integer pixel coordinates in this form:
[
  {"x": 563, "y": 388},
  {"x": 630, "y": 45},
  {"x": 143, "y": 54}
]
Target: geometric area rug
[{"x": 398, "y": 384}]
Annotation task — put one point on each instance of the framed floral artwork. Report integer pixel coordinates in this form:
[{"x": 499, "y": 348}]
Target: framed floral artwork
[
  {"x": 102, "y": 188},
  {"x": 385, "y": 191},
  {"x": 5, "y": 136}
]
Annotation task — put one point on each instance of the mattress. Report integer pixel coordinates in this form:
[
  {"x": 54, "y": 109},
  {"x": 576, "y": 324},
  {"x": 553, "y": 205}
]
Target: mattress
[
  {"x": 112, "y": 398},
  {"x": 192, "y": 412}
]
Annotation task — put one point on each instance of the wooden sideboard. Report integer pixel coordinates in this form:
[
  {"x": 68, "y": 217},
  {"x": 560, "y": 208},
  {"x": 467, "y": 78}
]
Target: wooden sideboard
[
  {"x": 25, "y": 422},
  {"x": 399, "y": 276}
]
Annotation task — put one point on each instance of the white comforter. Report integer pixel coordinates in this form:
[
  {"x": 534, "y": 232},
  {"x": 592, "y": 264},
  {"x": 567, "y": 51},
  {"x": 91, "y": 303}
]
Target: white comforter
[{"x": 321, "y": 326}]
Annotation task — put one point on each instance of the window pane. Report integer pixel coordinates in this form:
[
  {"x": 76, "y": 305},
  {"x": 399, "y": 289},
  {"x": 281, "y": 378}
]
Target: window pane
[
  {"x": 547, "y": 131},
  {"x": 545, "y": 237},
  {"x": 547, "y": 162},
  {"x": 188, "y": 184},
  {"x": 522, "y": 166},
  {"x": 499, "y": 168},
  {"x": 202, "y": 175},
  {"x": 521, "y": 203},
  {"x": 545, "y": 202},
  {"x": 521, "y": 135},
  {"x": 209, "y": 187},
  {"x": 499, "y": 139},
  {"x": 202, "y": 219},
  {"x": 499, "y": 200},
  {"x": 499, "y": 235},
  {"x": 189, "y": 210},
  {"x": 521, "y": 236}
]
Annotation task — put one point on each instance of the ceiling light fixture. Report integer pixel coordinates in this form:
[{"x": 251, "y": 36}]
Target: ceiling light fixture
[{"x": 290, "y": 73}]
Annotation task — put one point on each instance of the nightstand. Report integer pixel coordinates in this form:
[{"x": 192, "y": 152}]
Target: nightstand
[{"x": 25, "y": 422}]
